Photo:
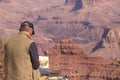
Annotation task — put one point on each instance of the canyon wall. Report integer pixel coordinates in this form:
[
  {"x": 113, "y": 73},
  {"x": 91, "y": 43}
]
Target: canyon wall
[{"x": 70, "y": 59}]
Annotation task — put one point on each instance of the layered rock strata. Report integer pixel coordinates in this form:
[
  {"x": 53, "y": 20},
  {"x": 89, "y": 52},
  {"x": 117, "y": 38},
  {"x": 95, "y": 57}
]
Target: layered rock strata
[{"x": 71, "y": 60}]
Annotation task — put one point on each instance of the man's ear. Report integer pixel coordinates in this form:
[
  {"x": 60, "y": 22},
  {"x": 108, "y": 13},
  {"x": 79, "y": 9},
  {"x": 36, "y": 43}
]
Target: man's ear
[{"x": 30, "y": 30}]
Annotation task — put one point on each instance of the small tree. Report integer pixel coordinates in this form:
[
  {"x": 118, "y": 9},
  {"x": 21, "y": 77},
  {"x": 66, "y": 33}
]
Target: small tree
[{"x": 117, "y": 62}]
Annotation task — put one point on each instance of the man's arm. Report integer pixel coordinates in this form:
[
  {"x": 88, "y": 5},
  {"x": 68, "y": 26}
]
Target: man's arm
[{"x": 34, "y": 55}]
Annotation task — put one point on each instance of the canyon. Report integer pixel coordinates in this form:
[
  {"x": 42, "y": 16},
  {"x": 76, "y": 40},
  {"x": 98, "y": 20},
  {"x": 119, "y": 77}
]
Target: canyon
[{"x": 81, "y": 37}]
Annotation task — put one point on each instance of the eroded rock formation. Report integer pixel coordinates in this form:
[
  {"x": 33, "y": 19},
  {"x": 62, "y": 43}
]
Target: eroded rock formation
[
  {"x": 78, "y": 66},
  {"x": 110, "y": 48},
  {"x": 66, "y": 47},
  {"x": 112, "y": 39}
]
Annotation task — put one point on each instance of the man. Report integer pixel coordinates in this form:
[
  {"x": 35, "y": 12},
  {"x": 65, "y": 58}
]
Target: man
[{"x": 21, "y": 56}]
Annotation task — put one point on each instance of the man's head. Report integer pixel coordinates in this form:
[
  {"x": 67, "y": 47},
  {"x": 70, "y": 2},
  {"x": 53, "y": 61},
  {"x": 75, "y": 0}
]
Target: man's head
[{"x": 28, "y": 27}]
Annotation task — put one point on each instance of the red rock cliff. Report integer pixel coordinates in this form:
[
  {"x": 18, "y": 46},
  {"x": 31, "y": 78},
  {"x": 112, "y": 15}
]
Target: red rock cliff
[{"x": 71, "y": 60}]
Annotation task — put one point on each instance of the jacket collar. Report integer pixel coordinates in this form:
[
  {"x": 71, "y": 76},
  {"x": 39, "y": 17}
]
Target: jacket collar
[{"x": 24, "y": 33}]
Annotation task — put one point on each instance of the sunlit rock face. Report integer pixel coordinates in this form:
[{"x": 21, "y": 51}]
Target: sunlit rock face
[
  {"x": 69, "y": 58},
  {"x": 112, "y": 39},
  {"x": 67, "y": 47}
]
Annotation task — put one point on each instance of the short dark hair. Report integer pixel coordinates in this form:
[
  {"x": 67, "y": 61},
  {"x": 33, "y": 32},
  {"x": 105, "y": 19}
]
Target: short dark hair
[{"x": 26, "y": 24}]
